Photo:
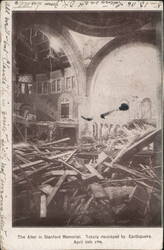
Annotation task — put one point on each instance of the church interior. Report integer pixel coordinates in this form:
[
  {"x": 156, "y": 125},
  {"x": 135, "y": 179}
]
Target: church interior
[{"x": 86, "y": 118}]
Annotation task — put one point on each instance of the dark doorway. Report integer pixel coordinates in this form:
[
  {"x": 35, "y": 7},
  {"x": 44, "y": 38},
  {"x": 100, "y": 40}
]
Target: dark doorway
[
  {"x": 67, "y": 132},
  {"x": 65, "y": 110}
]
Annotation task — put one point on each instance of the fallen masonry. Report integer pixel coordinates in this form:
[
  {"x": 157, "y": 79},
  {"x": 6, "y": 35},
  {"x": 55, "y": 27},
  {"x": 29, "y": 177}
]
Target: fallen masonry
[{"x": 116, "y": 182}]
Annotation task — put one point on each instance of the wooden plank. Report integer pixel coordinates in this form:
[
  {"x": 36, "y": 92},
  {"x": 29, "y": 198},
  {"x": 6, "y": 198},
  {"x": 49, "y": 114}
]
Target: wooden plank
[
  {"x": 36, "y": 163},
  {"x": 43, "y": 206},
  {"x": 19, "y": 152},
  {"x": 60, "y": 155},
  {"x": 30, "y": 164},
  {"x": 21, "y": 145},
  {"x": 55, "y": 189},
  {"x": 55, "y": 142},
  {"x": 33, "y": 172},
  {"x": 46, "y": 189},
  {"x": 70, "y": 166},
  {"x": 127, "y": 170},
  {"x": 148, "y": 171},
  {"x": 88, "y": 204},
  {"x": 87, "y": 154},
  {"x": 101, "y": 157},
  {"x": 48, "y": 180},
  {"x": 51, "y": 158},
  {"x": 86, "y": 180},
  {"x": 64, "y": 148},
  {"x": 130, "y": 150},
  {"x": 21, "y": 158},
  {"x": 70, "y": 156},
  {"x": 108, "y": 182},
  {"x": 93, "y": 171},
  {"x": 36, "y": 148},
  {"x": 62, "y": 172},
  {"x": 147, "y": 186}
]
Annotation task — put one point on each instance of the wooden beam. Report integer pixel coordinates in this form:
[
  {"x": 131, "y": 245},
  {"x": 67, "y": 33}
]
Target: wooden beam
[
  {"x": 21, "y": 158},
  {"x": 61, "y": 172},
  {"x": 130, "y": 150},
  {"x": 36, "y": 163},
  {"x": 148, "y": 186},
  {"x": 125, "y": 169},
  {"x": 108, "y": 182},
  {"x": 50, "y": 152},
  {"x": 70, "y": 166},
  {"x": 55, "y": 142},
  {"x": 70, "y": 156},
  {"x": 43, "y": 206},
  {"x": 93, "y": 171},
  {"x": 101, "y": 157},
  {"x": 33, "y": 172},
  {"x": 55, "y": 189},
  {"x": 48, "y": 180},
  {"x": 30, "y": 164}
]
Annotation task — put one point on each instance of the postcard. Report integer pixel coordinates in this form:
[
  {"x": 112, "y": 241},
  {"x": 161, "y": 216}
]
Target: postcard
[{"x": 81, "y": 125}]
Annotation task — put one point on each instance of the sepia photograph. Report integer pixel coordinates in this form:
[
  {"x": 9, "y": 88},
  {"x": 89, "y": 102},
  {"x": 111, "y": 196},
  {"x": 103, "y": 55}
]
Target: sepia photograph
[{"x": 86, "y": 118}]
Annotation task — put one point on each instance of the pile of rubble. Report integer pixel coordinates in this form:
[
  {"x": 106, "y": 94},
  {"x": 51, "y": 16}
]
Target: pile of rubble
[{"x": 116, "y": 182}]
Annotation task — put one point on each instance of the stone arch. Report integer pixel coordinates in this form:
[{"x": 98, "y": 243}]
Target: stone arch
[
  {"x": 100, "y": 23},
  {"x": 77, "y": 61},
  {"x": 119, "y": 69},
  {"x": 140, "y": 36}
]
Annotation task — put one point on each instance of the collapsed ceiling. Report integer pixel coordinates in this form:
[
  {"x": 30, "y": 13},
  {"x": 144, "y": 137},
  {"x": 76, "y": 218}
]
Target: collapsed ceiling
[{"x": 34, "y": 53}]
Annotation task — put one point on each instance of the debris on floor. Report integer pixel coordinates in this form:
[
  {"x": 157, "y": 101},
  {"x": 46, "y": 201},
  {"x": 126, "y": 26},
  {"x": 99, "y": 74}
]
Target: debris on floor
[{"x": 112, "y": 183}]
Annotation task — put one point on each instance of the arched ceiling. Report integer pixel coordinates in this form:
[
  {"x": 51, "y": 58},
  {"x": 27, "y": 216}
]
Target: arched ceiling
[
  {"x": 33, "y": 49},
  {"x": 147, "y": 36},
  {"x": 106, "y": 24},
  {"x": 100, "y": 23}
]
